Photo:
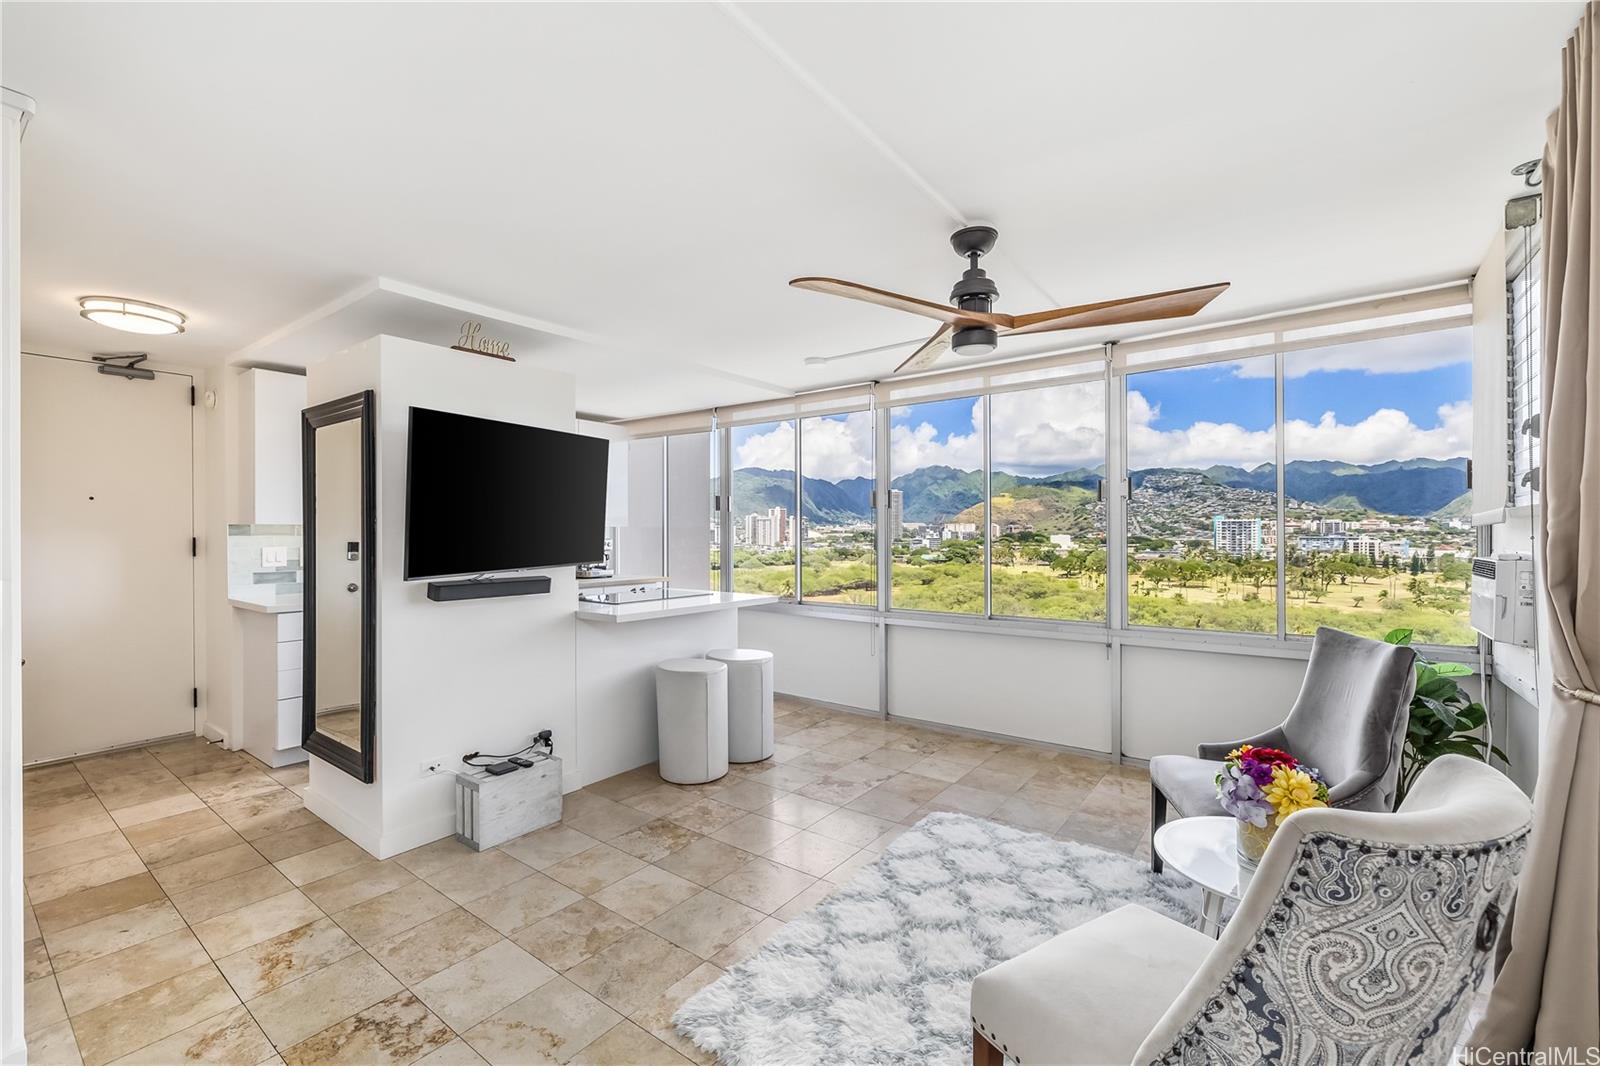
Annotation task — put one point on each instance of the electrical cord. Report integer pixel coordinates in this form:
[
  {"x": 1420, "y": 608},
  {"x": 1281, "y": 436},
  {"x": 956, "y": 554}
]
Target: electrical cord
[{"x": 540, "y": 740}]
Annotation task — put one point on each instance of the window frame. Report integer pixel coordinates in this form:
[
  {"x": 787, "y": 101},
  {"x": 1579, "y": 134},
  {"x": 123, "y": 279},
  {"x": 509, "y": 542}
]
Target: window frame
[
  {"x": 877, "y": 515},
  {"x": 1113, "y": 373}
]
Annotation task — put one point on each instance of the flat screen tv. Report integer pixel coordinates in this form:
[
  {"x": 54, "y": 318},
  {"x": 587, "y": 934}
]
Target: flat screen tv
[{"x": 485, "y": 496}]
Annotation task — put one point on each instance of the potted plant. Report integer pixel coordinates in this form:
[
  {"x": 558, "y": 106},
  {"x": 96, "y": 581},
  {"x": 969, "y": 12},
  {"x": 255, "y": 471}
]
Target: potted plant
[{"x": 1444, "y": 719}]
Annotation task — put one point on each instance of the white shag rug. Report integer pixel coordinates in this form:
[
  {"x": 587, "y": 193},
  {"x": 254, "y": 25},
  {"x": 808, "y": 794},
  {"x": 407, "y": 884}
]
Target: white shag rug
[{"x": 881, "y": 971}]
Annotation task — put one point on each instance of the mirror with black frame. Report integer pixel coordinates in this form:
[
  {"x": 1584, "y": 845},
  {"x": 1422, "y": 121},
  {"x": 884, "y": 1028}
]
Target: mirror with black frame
[{"x": 338, "y": 450}]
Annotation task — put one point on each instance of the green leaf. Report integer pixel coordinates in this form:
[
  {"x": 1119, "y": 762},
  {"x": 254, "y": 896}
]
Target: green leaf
[
  {"x": 1452, "y": 669},
  {"x": 1473, "y": 716},
  {"x": 1398, "y": 636},
  {"x": 1438, "y": 688}
]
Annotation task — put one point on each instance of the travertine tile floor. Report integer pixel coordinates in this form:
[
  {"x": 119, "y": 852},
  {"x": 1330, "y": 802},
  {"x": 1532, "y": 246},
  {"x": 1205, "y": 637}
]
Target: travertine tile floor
[{"x": 184, "y": 906}]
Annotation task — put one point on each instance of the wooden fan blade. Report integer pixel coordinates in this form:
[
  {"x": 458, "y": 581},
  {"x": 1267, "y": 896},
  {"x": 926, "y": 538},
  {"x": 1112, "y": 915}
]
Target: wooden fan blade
[
  {"x": 884, "y": 298},
  {"x": 929, "y": 353},
  {"x": 1179, "y": 303}
]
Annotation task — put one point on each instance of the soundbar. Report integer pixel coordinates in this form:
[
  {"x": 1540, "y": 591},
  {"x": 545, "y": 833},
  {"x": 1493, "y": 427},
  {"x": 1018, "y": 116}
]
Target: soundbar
[{"x": 487, "y": 588}]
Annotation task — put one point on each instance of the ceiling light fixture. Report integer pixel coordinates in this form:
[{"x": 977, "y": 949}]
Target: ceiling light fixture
[{"x": 131, "y": 316}]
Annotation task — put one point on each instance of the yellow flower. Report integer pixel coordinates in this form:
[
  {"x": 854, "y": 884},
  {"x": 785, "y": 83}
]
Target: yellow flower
[
  {"x": 1239, "y": 752},
  {"x": 1290, "y": 791}
]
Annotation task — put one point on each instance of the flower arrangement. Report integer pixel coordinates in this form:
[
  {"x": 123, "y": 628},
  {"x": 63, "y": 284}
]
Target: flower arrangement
[{"x": 1261, "y": 787}]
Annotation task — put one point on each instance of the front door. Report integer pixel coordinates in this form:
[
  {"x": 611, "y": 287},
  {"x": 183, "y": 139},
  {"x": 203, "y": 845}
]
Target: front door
[{"x": 107, "y": 572}]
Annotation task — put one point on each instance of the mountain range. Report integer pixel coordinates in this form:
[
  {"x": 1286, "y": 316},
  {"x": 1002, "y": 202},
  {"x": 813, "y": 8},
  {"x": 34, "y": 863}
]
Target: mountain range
[{"x": 941, "y": 493}]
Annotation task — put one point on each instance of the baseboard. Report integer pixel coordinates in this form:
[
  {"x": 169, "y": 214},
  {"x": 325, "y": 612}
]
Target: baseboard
[
  {"x": 381, "y": 844},
  {"x": 369, "y": 839},
  {"x": 211, "y": 732},
  {"x": 418, "y": 834},
  {"x": 17, "y": 1053}
]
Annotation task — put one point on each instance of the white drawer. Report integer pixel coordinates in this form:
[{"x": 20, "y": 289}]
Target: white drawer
[
  {"x": 290, "y": 725},
  {"x": 291, "y": 654},
  {"x": 289, "y": 684},
  {"x": 291, "y": 626}
]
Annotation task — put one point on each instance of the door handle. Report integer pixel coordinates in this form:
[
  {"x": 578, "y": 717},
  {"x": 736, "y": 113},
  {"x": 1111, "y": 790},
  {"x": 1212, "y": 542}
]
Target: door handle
[{"x": 351, "y": 587}]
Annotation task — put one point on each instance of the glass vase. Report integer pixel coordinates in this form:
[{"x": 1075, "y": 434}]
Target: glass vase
[{"x": 1253, "y": 841}]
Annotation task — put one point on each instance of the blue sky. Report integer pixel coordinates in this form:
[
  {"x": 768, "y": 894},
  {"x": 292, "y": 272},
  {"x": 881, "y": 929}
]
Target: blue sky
[{"x": 1395, "y": 398}]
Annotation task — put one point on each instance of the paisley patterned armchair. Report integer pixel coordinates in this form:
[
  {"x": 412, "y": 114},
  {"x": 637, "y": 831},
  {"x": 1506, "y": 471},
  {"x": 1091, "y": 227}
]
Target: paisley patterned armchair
[{"x": 1361, "y": 939}]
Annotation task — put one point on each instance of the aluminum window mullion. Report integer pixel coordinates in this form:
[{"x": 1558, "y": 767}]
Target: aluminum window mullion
[
  {"x": 1282, "y": 537},
  {"x": 799, "y": 523},
  {"x": 988, "y": 522},
  {"x": 1116, "y": 477},
  {"x": 725, "y": 511}
]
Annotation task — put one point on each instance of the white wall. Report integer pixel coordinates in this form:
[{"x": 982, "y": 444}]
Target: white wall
[
  {"x": 832, "y": 660},
  {"x": 452, "y": 677},
  {"x": 1034, "y": 687},
  {"x": 1174, "y": 699},
  {"x": 12, "y": 1046}
]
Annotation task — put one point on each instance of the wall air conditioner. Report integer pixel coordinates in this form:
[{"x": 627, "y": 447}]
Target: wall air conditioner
[{"x": 1502, "y": 598}]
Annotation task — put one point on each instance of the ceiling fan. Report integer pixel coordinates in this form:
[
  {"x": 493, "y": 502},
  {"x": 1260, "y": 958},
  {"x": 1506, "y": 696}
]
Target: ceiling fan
[{"x": 972, "y": 328}]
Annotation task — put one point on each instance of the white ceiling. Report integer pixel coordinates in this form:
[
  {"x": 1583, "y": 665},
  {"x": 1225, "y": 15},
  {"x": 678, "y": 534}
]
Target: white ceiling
[{"x": 648, "y": 177}]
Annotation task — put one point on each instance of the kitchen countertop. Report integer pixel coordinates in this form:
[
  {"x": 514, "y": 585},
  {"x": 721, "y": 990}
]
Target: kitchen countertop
[
  {"x": 264, "y": 599},
  {"x": 648, "y": 610},
  {"x": 614, "y": 582}
]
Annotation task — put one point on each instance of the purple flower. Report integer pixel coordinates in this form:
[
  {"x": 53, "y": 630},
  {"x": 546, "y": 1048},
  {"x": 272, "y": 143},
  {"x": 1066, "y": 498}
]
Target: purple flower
[
  {"x": 1259, "y": 772},
  {"x": 1242, "y": 797}
]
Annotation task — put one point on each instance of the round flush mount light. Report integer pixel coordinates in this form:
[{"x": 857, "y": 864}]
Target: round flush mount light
[{"x": 131, "y": 316}]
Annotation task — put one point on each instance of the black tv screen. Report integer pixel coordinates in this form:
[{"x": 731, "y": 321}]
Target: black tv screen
[{"x": 485, "y": 496}]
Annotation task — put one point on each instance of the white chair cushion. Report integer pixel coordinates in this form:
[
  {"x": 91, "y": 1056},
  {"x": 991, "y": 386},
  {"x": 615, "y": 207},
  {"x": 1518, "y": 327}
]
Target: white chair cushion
[{"x": 1091, "y": 994}]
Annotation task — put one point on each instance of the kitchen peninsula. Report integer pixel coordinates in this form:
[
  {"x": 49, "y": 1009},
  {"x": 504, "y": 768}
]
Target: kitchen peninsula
[{"x": 619, "y": 645}]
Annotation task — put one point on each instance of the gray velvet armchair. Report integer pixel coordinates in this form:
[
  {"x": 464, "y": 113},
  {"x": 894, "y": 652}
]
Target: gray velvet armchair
[{"x": 1349, "y": 722}]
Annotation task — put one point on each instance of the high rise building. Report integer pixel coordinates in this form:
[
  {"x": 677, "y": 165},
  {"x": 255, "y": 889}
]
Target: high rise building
[
  {"x": 1371, "y": 547},
  {"x": 897, "y": 514},
  {"x": 772, "y": 529},
  {"x": 1236, "y": 536},
  {"x": 1331, "y": 527}
]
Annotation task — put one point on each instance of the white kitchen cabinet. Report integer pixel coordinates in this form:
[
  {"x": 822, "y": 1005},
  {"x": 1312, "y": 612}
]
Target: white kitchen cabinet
[
  {"x": 273, "y": 671},
  {"x": 270, "y": 403}
]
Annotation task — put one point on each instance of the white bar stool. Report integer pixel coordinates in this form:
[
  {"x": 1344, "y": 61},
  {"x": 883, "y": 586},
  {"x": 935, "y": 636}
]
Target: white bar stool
[
  {"x": 749, "y": 702},
  {"x": 692, "y": 720}
]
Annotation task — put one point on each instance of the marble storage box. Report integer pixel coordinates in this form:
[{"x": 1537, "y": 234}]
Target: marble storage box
[{"x": 492, "y": 810}]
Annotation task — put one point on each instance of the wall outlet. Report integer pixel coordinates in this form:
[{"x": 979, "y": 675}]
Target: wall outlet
[{"x": 434, "y": 767}]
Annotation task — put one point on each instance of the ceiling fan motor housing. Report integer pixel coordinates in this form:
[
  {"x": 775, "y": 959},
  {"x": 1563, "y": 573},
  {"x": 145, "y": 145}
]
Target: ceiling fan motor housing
[{"x": 975, "y": 291}]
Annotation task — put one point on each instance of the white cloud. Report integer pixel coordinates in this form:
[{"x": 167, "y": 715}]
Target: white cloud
[
  {"x": 1383, "y": 435},
  {"x": 773, "y": 450},
  {"x": 1047, "y": 430},
  {"x": 834, "y": 449}
]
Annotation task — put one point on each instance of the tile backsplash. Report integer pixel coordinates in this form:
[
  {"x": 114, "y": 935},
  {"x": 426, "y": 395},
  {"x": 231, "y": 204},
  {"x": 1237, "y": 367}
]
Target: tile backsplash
[{"x": 246, "y": 565}]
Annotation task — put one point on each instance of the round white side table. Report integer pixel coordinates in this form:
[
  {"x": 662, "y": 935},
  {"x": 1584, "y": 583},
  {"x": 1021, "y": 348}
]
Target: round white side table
[{"x": 1205, "y": 850}]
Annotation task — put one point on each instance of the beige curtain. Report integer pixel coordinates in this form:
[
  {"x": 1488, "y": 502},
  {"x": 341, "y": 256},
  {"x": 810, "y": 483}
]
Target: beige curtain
[{"x": 1547, "y": 993}]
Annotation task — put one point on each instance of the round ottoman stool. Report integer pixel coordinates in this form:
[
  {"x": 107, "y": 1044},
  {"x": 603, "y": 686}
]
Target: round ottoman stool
[
  {"x": 749, "y": 702},
  {"x": 692, "y": 720}
]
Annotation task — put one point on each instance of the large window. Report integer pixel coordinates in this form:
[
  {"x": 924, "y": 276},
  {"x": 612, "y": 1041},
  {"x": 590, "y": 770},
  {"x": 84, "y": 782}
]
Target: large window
[
  {"x": 1047, "y": 449},
  {"x": 761, "y": 499},
  {"x": 1377, "y": 435},
  {"x": 995, "y": 503},
  {"x": 936, "y": 506},
  {"x": 1202, "y": 519},
  {"x": 838, "y": 525}
]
